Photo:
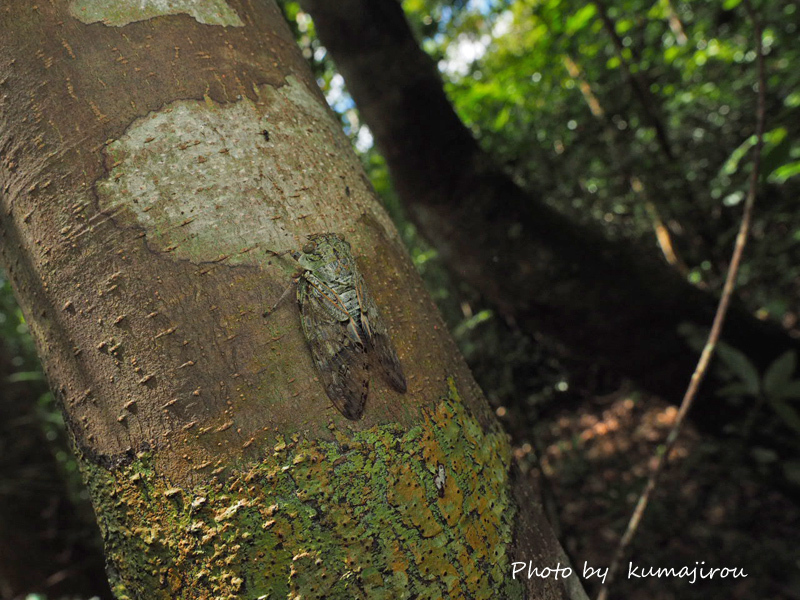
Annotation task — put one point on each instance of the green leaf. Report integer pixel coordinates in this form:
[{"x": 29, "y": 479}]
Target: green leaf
[
  {"x": 732, "y": 164},
  {"x": 624, "y": 25},
  {"x": 695, "y": 336},
  {"x": 791, "y": 391},
  {"x": 25, "y": 376},
  {"x": 741, "y": 366},
  {"x": 671, "y": 53},
  {"x": 737, "y": 388},
  {"x": 787, "y": 414},
  {"x": 784, "y": 172},
  {"x": 776, "y": 154},
  {"x": 578, "y": 21},
  {"x": 731, "y": 4},
  {"x": 772, "y": 140},
  {"x": 792, "y": 471},
  {"x": 502, "y": 118},
  {"x": 779, "y": 374},
  {"x": 764, "y": 455}
]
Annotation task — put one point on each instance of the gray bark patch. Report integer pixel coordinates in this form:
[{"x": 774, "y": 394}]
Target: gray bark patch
[
  {"x": 206, "y": 180},
  {"x": 119, "y": 14}
]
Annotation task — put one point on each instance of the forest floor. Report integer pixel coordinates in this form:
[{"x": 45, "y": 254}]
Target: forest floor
[{"x": 709, "y": 509}]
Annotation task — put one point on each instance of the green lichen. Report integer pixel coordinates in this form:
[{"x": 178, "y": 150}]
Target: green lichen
[{"x": 357, "y": 517}]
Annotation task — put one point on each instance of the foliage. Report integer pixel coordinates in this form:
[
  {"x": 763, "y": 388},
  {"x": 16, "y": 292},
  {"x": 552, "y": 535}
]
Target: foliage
[
  {"x": 17, "y": 341},
  {"x": 550, "y": 95},
  {"x": 19, "y": 347}
]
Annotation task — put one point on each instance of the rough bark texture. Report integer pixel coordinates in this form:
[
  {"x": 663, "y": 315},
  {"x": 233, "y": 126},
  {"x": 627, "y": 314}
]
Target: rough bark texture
[
  {"x": 156, "y": 156},
  {"x": 604, "y": 304}
]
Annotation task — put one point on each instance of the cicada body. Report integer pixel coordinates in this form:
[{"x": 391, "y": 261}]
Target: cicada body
[{"x": 342, "y": 324}]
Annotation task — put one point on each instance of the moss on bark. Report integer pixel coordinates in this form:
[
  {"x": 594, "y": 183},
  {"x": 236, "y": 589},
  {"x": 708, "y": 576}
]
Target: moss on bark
[{"x": 360, "y": 516}]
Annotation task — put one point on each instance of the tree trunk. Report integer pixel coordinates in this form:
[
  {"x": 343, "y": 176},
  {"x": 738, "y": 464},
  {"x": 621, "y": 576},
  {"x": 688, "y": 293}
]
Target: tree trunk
[
  {"x": 613, "y": 305},
  {"x": 155, "y": 159}
]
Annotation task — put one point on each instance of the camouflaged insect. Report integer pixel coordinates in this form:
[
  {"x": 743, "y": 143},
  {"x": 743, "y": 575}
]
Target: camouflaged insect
[
  {"x": 440, "y": 479},
  {"x": 342, "y": 324}
]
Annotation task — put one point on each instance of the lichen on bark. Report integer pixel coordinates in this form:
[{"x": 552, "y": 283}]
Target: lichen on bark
[
  {"x": 359, "y": 516},
  {"x": 118, "y": 14},
  {"x": 181, "y": 172}
]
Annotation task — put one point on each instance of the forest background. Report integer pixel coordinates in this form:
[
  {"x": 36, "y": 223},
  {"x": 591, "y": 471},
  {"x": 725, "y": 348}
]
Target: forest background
[{"x": 633, "y": 121}]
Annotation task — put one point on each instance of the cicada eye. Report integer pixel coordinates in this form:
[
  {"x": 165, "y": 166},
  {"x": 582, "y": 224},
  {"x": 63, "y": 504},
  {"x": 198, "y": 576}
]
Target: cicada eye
[{"x": 309, "y": 248}]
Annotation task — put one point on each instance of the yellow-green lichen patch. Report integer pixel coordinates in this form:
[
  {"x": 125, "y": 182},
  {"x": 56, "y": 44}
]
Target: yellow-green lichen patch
[
  {"x": 117, "y": 13},
  {"x": 357, "y": 517}
]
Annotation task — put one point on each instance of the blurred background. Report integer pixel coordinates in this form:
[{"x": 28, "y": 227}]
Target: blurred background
[{"x": 635, "y": 118}]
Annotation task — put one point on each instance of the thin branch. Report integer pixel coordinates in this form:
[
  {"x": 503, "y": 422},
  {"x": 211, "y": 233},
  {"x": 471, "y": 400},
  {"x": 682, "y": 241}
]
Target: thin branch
[
  {"x": 661, "y": 231},
  {"x": 716, "y": 327},
  {"x": 675, "y": 24}
]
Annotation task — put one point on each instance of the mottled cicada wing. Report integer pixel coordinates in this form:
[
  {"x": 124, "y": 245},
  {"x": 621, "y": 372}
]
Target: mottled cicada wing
[
  {"x": 342, "y": 324},
  {"x": 379, "y": 344},
  {"x": 341, "y": 361}
]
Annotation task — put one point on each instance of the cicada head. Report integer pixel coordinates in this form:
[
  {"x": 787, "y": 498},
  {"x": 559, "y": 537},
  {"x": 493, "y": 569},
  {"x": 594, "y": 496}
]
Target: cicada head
[{"x": 321, "y": 249}]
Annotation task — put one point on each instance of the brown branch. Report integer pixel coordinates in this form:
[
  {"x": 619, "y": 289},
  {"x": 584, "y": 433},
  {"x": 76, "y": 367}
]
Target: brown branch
[
  {"x": 702, "y": 365},
  {"x": 675, "y": 24},
  {"x": 586, "y": 90},
  {"x": 663, "y": 237}
]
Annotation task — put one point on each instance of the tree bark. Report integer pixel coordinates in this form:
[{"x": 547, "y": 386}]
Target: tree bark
[
  {"x": 613, "y": 305},
  {"x": 156, "y": 157}
]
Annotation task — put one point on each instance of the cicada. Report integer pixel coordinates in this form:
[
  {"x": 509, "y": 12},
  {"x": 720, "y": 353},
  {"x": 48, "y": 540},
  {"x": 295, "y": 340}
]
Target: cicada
[{"x": 342, "y": 325}]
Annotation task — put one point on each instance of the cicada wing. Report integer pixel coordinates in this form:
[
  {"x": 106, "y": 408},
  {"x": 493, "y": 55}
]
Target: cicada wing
[
  {"x": 389, "y": 364},
  {"x": 341, "y": 362},
  {"x": 378, "y": 341}
]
